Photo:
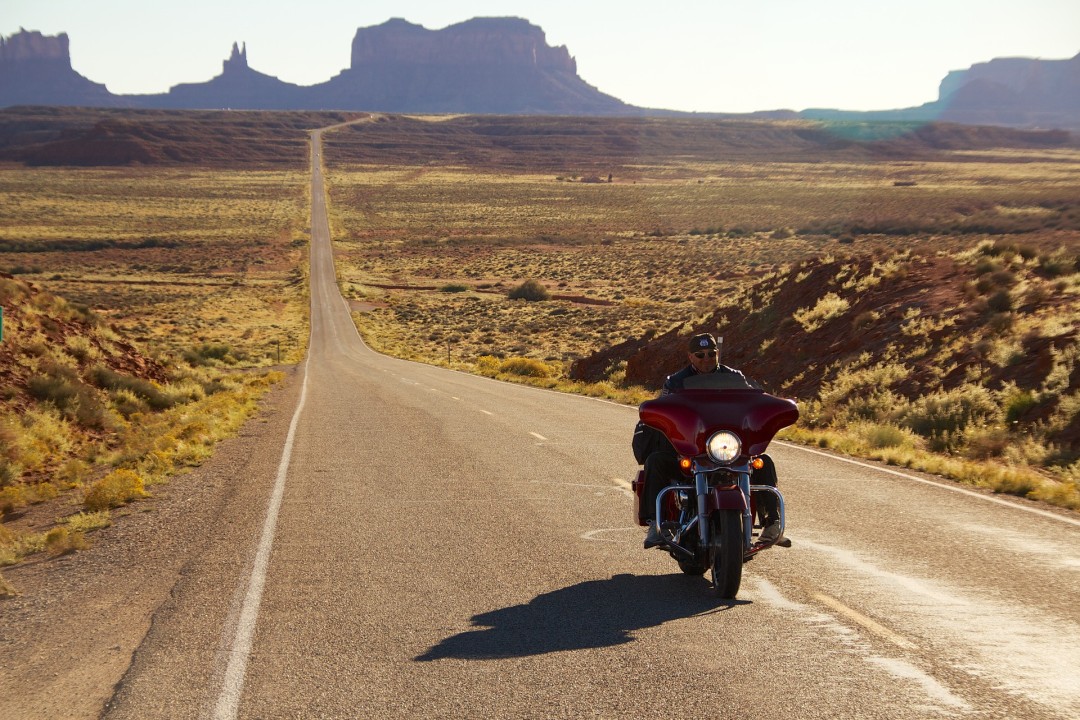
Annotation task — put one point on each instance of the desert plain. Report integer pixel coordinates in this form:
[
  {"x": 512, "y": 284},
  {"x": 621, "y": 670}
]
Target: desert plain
[{"x": 915, "y": 286}]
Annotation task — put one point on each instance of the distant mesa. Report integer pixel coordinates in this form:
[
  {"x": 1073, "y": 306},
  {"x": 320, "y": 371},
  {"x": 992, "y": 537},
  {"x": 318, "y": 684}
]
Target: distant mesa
[
  {"x": 35, "y": 69},
  {"x": 504, "y": 66},
  {"x": 484, "y": 65},
  {"x": 1015, "y": 92}
]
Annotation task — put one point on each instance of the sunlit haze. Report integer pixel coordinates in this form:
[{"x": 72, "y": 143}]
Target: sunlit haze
[{"x": 694, "y": 55}]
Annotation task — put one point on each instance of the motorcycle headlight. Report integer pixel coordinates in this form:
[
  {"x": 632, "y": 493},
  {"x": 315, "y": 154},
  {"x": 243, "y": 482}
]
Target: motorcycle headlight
[{"x": 724, "y": 446}]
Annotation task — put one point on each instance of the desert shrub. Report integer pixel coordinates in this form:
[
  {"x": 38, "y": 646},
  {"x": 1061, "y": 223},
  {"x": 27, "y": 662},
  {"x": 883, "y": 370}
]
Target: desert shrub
[
  {"x": 876, "y": 406},
  {"x": 80, "y": 348},
  {"x": 61, "y": 391},
  {"x": 454, "y": 288},
  {"x": 115, "y": 489},
  {"x": 128, "y": 403},
  {"x": 828, "y": 307},
  {"x": 999, "y": 322},
  {"x": 944, "y": 416},
  {"x": 1004, "y": 278},
  {"x": 1058, "y": 264},
  {"x": 530, "y": 290},
  {"x": 526, "y": 367},
  {"x": 7, "y": 536},
  {"x": 44, "y": 436},
  {"x": 9, "y": 453},
  {"x": 1000, "y": 302},
  {"x": 85, "y": 522},
  {"x": 852, "y": 384},
  {"x": 1059, "y": 379},
  {"x": 880, "y": 436},
  {"x": 212, "y": 387},
  {"x": 155, "y": 397},
  {"x": 10, "y": 471},
  {"x": 63, "y": 541},
  {"x": 208, "y": 353},
  {"x": 72, "y": 471},
  {"x": 62, "y": 387},
  {"x": 986, "y": 442},
  {"x": 90, "y": 412},
  {"x": 1017, "y": 403},
  {"x": 487, "y": 365}
]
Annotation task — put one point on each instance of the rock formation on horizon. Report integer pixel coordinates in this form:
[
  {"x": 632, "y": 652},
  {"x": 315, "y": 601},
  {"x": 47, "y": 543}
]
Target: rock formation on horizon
[
  {"x": 503, "y": 66},
  {"x": 36, "y": 69},
  {"x": 238, "y": 87},
  {"x": 1019, "y": 91},
  {"x": 1014, "y": 92},
  {"x": 483, "y": 65}
]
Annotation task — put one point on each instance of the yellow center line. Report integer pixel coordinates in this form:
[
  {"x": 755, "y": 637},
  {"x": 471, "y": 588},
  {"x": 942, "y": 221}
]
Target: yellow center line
[{"x": 869, "y": 624}]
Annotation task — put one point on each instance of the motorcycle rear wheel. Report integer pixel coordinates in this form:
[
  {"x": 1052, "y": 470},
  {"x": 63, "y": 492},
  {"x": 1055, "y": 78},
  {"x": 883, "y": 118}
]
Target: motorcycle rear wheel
[{"x": 728, "y": 552}]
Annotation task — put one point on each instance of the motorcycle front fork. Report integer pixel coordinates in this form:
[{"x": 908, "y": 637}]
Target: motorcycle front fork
[{"x": 701, "y": 490}]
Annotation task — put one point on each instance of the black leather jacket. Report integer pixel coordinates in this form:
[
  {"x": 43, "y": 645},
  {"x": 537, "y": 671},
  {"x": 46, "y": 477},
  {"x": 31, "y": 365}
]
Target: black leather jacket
[{"x": 674, "y": 381}]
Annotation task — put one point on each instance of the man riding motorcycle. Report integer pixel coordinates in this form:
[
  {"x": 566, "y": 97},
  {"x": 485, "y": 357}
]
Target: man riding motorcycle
[{"x": 661, "y": 461}]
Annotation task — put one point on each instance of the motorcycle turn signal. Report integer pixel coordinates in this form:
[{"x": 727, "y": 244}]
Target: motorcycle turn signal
[{"x": 757, "y": 463}]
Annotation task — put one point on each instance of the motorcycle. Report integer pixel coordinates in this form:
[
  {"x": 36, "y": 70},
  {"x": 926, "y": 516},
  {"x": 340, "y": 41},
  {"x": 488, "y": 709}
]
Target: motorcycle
[{"x": 720, "y": 426}]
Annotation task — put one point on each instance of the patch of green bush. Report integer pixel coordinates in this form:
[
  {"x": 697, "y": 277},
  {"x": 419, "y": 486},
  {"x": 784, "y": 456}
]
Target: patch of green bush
[
  {"x": 108, "y": 379},
  {"x": 943, "y": 416},
  {"x": 207, "y": 353},
  {"x": 530, "y": 290}
]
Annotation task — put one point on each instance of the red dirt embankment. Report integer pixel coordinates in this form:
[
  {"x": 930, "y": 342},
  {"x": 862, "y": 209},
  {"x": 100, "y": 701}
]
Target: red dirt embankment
[{"x": 962, "y": 316}]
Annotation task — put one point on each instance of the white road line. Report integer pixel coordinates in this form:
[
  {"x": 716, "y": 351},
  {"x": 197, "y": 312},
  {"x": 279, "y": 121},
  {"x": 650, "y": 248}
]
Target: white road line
[
  {"x": 598, "y": 486},
  {"x": 538, "y": 436},
  {"x": 486, "y": 412},
  {"x": 871, "y": 625},
  {"x": 962, "y": 491},
  {"x": 229, "y": 701},
  {"x": 592, "y": 534}
]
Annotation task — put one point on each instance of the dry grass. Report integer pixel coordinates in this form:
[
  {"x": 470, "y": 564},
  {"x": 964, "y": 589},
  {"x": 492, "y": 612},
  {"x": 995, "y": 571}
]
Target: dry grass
[
  {"x": 658, "y": 252},
  {"x": 432, "y": 252},
  {"x": 152, "y": 288},
  {"x": 173, "y": 258}
]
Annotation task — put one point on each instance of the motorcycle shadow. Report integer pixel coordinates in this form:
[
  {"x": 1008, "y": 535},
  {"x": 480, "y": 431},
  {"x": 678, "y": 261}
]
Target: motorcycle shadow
[{"x": 592, "y": 614}]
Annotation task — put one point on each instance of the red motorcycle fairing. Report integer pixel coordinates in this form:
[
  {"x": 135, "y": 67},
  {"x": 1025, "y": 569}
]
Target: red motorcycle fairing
[{"x": 690, "y": 417}]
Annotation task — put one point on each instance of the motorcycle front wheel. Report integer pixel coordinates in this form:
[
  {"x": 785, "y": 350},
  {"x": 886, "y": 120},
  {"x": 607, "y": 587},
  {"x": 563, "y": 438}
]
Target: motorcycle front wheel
[
  {"x": 727, "y": 552},
  {"x": 692, "y": 568}
]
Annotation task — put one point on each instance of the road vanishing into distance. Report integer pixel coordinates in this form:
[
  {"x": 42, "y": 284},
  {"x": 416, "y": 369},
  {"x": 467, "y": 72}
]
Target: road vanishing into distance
[{"x": 438, "y": 545}]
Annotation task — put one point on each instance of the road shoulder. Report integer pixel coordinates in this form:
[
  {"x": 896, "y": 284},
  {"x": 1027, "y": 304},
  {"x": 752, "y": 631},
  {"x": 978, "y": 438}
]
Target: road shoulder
[{"x": 68, "y": 638}]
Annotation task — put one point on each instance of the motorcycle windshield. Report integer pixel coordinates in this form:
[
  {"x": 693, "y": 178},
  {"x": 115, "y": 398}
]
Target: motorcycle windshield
[{"x": 708, "y": 404}]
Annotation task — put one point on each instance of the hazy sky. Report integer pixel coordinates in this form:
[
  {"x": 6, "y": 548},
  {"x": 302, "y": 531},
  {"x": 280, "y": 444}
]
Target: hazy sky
[{"x": 705, "y": 55}]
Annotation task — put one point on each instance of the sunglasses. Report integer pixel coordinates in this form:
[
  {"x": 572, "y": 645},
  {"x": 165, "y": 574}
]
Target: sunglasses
[{"x": 704, "y": 354}]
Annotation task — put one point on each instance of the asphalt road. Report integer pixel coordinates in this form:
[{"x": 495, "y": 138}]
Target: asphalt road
[{"x": 436, "y": 545}]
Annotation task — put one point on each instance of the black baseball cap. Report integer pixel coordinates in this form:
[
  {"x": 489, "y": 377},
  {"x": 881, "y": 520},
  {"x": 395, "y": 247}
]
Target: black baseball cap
[{"x": 702, "y": 341}]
